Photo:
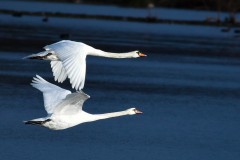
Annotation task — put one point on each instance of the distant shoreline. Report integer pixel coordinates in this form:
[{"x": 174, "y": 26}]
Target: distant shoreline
[{"x": 146, "y": 19}]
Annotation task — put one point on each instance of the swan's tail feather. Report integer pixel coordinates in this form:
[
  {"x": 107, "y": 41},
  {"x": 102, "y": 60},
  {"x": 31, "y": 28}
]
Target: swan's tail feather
[{"x": 37, "y": 122}]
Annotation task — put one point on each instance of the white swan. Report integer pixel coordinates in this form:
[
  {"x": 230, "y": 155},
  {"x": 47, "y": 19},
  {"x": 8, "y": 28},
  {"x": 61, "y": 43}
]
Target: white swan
[
  {"x": 65, "y": 108},
  {"x": 68, "y": 59}
]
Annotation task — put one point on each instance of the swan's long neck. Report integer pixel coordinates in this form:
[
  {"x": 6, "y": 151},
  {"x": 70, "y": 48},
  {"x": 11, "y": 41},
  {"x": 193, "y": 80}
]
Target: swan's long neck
[
  {"x": 100, "y": 53},
  {"x": 110, "y": 115}
]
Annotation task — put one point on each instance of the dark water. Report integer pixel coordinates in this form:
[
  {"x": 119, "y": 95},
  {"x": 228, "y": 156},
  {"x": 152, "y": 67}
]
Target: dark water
[{"x": 190, "y": 104}]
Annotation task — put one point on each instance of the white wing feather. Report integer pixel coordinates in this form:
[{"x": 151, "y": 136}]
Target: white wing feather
[
  {"x": 52, "y": 94},
  {"x": 59, "y": 71},
  {"x": 73, "y": 62},
  {"x": 72, "y": 104}
]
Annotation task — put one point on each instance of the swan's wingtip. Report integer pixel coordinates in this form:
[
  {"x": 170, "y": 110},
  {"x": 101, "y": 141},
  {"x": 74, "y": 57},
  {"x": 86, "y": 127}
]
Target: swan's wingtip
[
  {"x": 80, "y": 91},
  {"x": 37, "y": 76}
]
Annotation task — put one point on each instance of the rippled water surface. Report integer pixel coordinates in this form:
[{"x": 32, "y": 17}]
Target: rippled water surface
[{"x": 190, "y": 104}]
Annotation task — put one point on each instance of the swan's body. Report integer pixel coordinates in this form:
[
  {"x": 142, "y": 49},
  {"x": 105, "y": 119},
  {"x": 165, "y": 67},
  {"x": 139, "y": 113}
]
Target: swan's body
[
  {"x": 68, "y": 59},
  {"x": 65, "y": 108}
]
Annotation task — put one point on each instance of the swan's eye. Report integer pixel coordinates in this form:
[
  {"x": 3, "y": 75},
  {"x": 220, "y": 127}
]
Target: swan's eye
[{"x": 137, "y": 52}]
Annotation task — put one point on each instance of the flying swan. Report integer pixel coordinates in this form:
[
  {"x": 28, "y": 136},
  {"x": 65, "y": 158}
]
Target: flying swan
[
  {"x": 65, "y": 108},
  {"x": 68, "y": 59}
]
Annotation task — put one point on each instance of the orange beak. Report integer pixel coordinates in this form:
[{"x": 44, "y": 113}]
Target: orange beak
[
  {"x": 142, "y": 55},
  {"x": 137, "y": 111}
]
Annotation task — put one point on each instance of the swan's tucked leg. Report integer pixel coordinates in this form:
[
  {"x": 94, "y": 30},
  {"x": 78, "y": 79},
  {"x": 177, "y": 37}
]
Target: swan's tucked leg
[{"x": 45, "y": 55}]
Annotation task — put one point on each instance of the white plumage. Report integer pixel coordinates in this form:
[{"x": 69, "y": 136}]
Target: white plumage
[
  {"x": 52, "y": 94},
  {"x": 65, "y": 108},
  {"x": 68, "y": 59}
]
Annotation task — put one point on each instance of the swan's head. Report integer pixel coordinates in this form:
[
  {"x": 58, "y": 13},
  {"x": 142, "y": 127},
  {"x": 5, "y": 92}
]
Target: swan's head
[
  {"x": 137, "y": 54},
  {"x": 133, "y": 111}
]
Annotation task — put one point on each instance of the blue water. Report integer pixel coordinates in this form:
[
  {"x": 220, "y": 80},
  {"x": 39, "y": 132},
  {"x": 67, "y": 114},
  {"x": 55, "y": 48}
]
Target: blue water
[{"x": 190, "y": 104}]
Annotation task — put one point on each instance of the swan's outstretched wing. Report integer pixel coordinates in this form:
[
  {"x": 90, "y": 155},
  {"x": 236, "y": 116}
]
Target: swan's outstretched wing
[
  {"x": 59, "y": 71},
  {"x": 72, "y": 56},
  {"x": 52, "y": 94},
  {"x": 72, "y": 104}
]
